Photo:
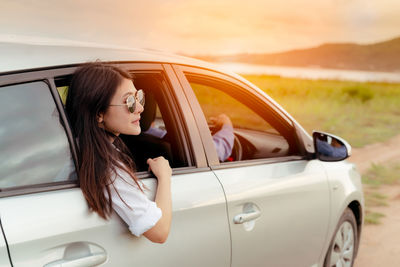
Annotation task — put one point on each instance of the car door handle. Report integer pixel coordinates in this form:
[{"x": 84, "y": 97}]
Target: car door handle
[
  {"x": 92, "y": 260},
  {"x": 245, "y": 217}
]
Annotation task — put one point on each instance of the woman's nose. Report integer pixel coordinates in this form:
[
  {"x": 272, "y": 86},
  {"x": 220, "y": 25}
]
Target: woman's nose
[{"x": 139, "y": 108}]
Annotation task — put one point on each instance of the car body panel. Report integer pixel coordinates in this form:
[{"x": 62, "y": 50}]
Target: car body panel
[
  {"x": 4, "y": 259},
  {"x": 346, "y": 187},
  {"x": 40, "y": 227},
  {"x": 293, "y": 198}
]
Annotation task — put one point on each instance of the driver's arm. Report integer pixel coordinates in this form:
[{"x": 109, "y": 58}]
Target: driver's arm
[{"x": 223, "y": 141}]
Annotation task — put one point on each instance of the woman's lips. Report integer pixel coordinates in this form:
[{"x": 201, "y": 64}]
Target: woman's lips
[{"x": 136, "y": 121}]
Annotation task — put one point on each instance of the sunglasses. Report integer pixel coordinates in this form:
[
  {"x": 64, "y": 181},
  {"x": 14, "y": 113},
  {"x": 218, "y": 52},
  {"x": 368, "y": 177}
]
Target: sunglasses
[{"x": 131, "y": 101}]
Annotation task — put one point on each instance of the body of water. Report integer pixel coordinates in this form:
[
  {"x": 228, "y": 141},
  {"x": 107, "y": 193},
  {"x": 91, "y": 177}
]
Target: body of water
[{"x": 312, "y": 73}]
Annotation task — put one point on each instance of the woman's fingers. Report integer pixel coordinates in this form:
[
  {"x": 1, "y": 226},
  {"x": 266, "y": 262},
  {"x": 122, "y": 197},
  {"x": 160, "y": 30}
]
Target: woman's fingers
[
  {"x": 154, "y": 159},
  {"x": 159, "y": 166}
]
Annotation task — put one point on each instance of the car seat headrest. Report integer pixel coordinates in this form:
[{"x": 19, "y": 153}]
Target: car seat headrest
[{"x": 149, "y": 113}]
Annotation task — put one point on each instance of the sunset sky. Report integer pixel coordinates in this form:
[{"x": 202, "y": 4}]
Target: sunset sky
[{"x": 202, "y": 26}]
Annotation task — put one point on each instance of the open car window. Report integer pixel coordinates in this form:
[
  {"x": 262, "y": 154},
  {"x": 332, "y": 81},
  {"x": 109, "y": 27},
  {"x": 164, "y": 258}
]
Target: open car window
[{"x": 159, "y": 127}]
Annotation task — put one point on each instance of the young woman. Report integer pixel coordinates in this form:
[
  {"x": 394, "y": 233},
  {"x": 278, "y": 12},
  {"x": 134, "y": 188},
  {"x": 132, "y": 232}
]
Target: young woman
[{"x": 102, "y": 103}]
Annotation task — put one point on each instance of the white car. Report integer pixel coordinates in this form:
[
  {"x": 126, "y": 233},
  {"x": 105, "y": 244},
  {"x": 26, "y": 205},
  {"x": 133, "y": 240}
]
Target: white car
[{"x": 282, "y": 198}]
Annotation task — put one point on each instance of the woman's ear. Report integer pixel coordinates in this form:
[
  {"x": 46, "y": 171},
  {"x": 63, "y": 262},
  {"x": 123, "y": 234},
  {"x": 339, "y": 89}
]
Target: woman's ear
[{"x": 100, "y": 118}]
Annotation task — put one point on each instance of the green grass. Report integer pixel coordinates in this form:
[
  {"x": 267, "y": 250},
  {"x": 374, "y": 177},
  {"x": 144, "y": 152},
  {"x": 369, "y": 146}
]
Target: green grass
[
  {"x": 373, "y": 178},
  {"x": 361, "y": 113},
  {"x": 379, "y": 174},
  {"x": 375, "y": 199},
  {"x": 373, "y": 217}
]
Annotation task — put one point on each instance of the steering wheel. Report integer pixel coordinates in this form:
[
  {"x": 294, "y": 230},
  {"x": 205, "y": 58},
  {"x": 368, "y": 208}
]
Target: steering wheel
[{"x": 237, "y": 150}]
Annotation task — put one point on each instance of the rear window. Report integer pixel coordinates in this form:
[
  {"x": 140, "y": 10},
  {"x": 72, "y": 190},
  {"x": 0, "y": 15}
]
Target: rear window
[{"x": 34, "y": 148}]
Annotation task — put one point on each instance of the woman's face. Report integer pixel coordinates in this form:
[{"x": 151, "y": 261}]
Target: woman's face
[{"x": 118, "y": 119}]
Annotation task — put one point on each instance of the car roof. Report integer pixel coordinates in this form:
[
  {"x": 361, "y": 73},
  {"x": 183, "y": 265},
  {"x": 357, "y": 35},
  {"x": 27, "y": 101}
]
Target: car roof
[{"x": 23, "y": 56}]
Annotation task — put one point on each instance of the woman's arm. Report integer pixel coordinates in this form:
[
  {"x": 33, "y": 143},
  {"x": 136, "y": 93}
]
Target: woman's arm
[{"x": 161, "y": 169}]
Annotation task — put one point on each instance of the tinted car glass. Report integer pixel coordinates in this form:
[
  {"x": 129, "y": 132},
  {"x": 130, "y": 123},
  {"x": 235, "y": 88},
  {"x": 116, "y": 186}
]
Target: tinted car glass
[
  {"x": 255, "y": 138},
  {"x": 214, "y": 102},
  {"x": 33, "y": 145}
]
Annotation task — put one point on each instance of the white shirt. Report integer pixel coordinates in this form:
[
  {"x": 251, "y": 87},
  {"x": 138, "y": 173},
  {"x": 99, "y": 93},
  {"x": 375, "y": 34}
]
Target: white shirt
[{"x": 141, "y": 214}]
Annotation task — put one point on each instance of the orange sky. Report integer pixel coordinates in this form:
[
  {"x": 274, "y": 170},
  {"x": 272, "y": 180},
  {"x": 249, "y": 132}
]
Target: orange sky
[{"x": 203, "y": 26}]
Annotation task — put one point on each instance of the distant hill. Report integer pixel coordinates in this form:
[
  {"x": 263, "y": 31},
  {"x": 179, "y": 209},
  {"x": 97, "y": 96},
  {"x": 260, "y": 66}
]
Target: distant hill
[{"x": 383, "y": 56}]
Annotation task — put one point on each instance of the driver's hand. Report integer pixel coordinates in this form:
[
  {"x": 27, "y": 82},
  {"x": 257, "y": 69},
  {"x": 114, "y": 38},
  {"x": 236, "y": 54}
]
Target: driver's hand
[{"x": 220, "y": 120}]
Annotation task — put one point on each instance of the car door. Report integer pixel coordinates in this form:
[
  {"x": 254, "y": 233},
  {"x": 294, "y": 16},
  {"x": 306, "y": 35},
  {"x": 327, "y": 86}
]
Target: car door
[
  {"x": 4, "y": 259},
  {"x": 278, "y": 201},
  {"x": 44, "y": 215}
]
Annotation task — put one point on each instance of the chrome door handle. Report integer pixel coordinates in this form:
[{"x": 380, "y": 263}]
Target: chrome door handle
[
  {"x": 245, "y": 217},
  {"x": 92, "y": 260}
]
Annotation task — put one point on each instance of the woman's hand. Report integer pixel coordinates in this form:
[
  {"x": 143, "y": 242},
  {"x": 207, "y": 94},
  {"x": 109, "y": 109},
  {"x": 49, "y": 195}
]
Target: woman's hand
[{"x": 160, "y": 167}]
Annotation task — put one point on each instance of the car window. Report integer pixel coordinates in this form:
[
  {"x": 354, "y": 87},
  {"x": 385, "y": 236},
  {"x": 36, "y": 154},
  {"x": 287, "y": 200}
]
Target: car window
[
  {"x": 159, "y": 130},
  {"x": 63, "y": 91},
  {"x": 159, "y": 135},
  {"x": 254, "y": 137},
  {"x": 34, "y": 148},
  {"x": 215, "y": 102}
]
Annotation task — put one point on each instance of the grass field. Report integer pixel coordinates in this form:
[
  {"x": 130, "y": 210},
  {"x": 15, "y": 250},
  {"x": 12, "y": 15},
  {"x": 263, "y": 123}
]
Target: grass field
[
  {"x": 361, "y": 113},
  {"x": 377, "y": 175}
]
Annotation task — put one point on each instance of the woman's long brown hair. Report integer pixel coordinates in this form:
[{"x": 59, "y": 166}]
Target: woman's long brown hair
[{"x": 90, "y": 92}]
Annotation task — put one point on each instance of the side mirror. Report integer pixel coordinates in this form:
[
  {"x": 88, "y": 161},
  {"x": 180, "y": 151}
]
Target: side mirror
[{"x": 329, "y": 147}]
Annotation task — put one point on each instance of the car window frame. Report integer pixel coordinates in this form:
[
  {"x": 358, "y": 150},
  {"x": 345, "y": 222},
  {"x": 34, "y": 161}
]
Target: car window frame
[
  {"x": 188, "y": 123},
  {"x": 191, "y": 141},
  {"x": 219, "y": 77},
  {"x": 46, "y": 76}
]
